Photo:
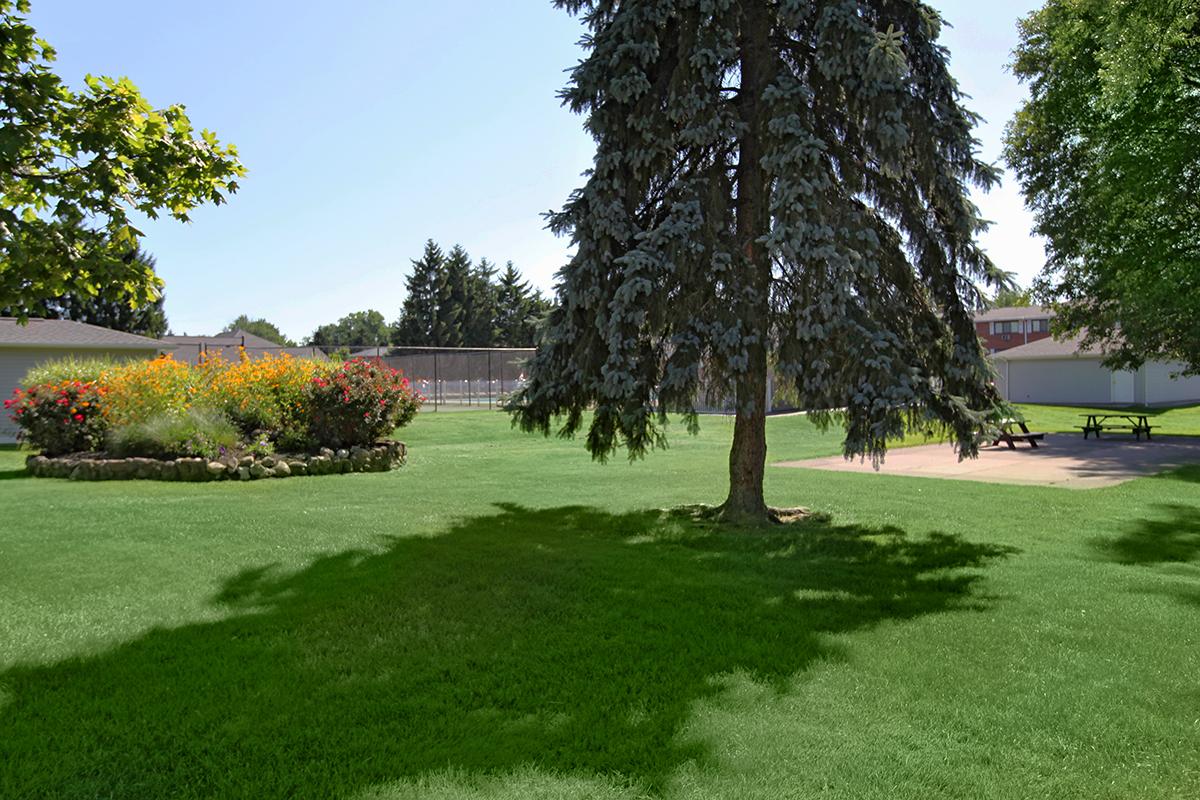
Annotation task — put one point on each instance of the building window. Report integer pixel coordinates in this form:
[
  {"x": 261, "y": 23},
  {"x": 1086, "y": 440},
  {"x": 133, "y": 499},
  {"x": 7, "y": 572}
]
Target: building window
[
  {"x": 1039, "y": 326},
  {"x": 1006, "y": 327}
]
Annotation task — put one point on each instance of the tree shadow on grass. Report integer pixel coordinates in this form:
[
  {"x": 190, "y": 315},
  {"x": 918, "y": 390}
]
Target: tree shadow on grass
[
  {"x": 10, "y": 474},
  {"x": 567, "y": 639},
  {"x": 1174, "y": 536},
  {"x": 1186, "y": 474}
]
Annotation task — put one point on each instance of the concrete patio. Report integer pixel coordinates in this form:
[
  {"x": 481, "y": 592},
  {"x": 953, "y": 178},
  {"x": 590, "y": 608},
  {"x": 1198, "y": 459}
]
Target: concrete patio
[{"x": 1064, "y": 460}]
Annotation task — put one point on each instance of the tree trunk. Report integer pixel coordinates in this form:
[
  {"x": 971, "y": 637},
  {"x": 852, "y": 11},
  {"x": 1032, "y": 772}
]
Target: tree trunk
[{"x": 748, "y": 456}]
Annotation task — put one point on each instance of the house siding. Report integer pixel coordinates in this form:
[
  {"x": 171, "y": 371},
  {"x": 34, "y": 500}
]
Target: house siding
[
  {"x": 1161, "y": 389},
  {"x": 16, "y": 361},
  {"x": 1081, "y": 381},
  {"x": 998, "y": 342}
]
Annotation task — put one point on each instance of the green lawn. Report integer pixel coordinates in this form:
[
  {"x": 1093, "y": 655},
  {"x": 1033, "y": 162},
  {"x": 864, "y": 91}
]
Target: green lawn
[
  {"x": 505, "y": 618},
  {"x": 1168, "y": 421}
]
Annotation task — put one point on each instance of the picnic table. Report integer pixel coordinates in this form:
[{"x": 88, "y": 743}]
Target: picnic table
[
  {"x": 1137, "y": 424},
  {"x": 1005, "y": 433}
]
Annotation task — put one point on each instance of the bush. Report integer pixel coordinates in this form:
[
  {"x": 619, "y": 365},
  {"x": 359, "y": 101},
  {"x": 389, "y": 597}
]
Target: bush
[
  {"x": 167, "y": 408},
  {"x": 171, "y": 434},
  {"x": 359, "y": 402},
  {"x": 63, "y": 417},
  {"x": 70, "y": 368},
  {"x": 138, "y": 391},
  {"x": 264, "y": 395}
]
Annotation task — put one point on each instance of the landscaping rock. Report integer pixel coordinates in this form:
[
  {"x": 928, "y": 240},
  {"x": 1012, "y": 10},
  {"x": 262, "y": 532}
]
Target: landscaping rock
[
  {"x": 379, "y": 457},
  {"x": 191, "y": 469}
]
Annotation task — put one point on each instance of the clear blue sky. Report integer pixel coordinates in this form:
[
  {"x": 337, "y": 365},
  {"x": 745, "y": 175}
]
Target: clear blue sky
[{"x": 370, "y": 126}]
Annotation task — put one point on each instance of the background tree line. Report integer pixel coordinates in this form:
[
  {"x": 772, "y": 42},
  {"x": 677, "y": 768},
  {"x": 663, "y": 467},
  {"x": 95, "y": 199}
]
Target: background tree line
[{"x": 451, "y": 302}]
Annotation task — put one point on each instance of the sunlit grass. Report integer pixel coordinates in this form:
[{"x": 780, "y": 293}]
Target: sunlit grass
[{"x": 505, "y": 618}]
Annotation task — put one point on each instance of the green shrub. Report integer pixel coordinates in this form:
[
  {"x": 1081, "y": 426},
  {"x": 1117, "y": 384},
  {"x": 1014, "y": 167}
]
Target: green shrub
[
  {"x": 171, "y": 434},
  {"x": 137, "y": 391},
  {"x": 71, "y": 368},
  {"x": 359, "y": 402},
  {"x": 59, "y": 417},
  {"x": 263, "y": 396}
]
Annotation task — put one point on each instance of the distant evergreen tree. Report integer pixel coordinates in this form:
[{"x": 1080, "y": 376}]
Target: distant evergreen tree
[
  {"x": 452, "y": 303},
  {"x": 416, "y": 323},
  {"x": 107, "y": 311},
  {"x": 518, "y": 309},
  {"x": 454, "y": 313},
  {"x": 479, "y": 315}
]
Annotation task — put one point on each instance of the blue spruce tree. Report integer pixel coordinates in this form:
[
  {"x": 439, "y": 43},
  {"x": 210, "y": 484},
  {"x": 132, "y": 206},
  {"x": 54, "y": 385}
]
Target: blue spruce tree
[{"x": 771, "y": 176}]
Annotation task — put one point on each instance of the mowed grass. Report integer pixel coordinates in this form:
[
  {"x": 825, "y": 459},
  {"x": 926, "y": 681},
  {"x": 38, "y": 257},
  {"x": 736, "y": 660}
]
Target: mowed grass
[
  {"x": 504, "y": 618},
  {"x": 1184, "y": 421}
]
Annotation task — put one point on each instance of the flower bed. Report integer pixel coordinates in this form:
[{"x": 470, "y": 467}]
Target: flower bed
[{"x": 175, "y": 421}]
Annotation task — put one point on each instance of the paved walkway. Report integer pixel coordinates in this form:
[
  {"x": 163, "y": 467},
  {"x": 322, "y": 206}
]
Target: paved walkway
[{"x": 1064, "y": 460}]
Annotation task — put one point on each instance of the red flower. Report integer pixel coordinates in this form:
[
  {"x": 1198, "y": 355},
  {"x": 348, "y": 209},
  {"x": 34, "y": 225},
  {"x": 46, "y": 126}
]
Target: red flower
[{"x": 79, "y": 417}]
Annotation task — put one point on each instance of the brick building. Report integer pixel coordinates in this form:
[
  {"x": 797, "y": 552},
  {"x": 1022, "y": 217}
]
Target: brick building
[{"x": 1004, "y": 328}]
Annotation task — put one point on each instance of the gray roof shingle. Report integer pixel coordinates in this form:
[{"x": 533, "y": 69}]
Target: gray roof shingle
[
  {"x": 65, "y": 333},
  {"x": 1048, "y": 348},
  {"x": 233, "y": 338},
  {"x": 1014, "y": 312}
]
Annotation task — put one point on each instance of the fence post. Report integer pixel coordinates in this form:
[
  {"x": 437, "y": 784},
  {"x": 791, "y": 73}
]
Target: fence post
[
  {"x": 435, "y": 381},
  {"x": 489, "y": 352}
]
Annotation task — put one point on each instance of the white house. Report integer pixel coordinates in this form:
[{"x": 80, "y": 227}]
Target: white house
[
  {"x": 23, "y": 347},
  {"x": 1058, "y": 373}
]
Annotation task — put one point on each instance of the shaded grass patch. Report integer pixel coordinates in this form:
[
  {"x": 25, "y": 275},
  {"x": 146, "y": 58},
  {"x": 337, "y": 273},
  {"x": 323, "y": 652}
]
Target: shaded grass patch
[{"x": 571, "y": 639}]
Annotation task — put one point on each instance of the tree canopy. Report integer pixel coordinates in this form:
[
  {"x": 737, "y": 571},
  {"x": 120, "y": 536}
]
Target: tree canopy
[
  {"x": 519, "y": 309},
  {"x": 145, "y": 319},
  {"x": 1107, "y": 149},
  {"x": 1011, "y": 297},
  {"x": 74, "y": 165},
  {"x": 453, "y": 302},
  {"x": 772, "y": 176},
  {"x": 259, "y": 327},
  {"x": 358, "y": 328}
]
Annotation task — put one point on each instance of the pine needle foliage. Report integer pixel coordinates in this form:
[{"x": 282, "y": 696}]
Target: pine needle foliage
[{"x": 771, "y": 176}]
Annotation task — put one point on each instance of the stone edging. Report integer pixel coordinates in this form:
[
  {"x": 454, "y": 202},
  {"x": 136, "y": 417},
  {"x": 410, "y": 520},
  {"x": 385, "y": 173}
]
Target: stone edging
[{"x": 379, "y": 457}]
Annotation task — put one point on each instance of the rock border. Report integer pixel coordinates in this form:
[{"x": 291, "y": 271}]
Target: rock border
[{"x": 380, "y": 457}]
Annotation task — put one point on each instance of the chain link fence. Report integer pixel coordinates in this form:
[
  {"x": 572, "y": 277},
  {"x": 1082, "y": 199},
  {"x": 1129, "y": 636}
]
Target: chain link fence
[
  {"x": 449, "y": 378},
  {"x": 458, "y": 378},
  {"x": 453, "y": 378}
]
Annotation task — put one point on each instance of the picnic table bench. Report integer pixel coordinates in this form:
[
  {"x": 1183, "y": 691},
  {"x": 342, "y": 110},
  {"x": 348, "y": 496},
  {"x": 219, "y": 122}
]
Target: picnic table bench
[
  {"x": 1137, "y": 424},
  {"x": 1005, "y": 433}
]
